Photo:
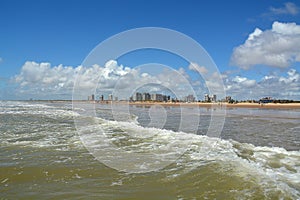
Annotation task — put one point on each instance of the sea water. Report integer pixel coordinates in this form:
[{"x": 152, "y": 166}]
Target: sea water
[{"x": 44, "y": 153}]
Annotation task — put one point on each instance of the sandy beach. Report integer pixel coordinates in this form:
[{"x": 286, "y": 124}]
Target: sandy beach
[
  {"x": 237, "y": 105},
  {"x": 199, "y": 104},
  {"x": 268, "y": 105}
]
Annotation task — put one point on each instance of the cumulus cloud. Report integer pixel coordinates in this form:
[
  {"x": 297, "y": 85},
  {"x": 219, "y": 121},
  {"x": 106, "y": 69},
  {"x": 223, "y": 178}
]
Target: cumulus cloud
[
  {"x": 200, "y": 69},
  {"x": 289, "y": 8},
  {"x": 278, "y": 86},
  {"x": 278, "y": 47},
  {"x": 43, "y": 81},
  {"x": 244, "y": 82}
]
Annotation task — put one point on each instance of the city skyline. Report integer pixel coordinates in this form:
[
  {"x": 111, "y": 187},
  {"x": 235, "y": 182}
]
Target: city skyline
[
  {"x": 158, "y": 97},
  {"x": 257, "y": 53}
]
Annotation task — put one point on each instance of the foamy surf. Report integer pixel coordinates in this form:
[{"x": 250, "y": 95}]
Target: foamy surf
[
  {"x": 274, "y": 169},
  {"x": 188, "y": 165}
]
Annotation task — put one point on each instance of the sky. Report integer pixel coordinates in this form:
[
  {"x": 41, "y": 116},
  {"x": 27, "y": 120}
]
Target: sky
[{"x": 255, "y": 46}]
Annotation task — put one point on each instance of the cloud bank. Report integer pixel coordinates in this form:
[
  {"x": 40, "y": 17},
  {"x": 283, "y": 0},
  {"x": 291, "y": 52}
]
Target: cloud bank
[
  {"x": 43, "y": 81},
  {"x": 278, "y": 47},
  {"x": 285, "y": 86}
]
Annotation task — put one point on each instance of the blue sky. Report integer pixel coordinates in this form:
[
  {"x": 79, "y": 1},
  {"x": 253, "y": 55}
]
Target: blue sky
[{"x": 65, "y": 31}]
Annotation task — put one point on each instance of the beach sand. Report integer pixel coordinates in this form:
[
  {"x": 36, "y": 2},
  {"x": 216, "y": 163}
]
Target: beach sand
[
  {"x": 199, "y": 104},
  {"x": 237, "y": 105}
]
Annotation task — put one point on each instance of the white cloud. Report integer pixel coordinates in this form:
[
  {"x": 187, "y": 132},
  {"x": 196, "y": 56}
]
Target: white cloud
[
  {"x": 239, "y": 87},
  {"x": 256, "y": 33},
  {"x": 286, "y": 28},
  {"x": 42, "y": 74},
  {"x": 281, "y": 87},
  {"x": 239, "y": 79},
  {"x": 293, "y": 77},
  {"x": 289, "y": 8},
  {"x": 1, "y": 59},
  {"x": 43, "y": 81},
  {"x": 182, "y": 71},
  {"x": 278, "y": 47},
  {"x": 200, "y": 69}
]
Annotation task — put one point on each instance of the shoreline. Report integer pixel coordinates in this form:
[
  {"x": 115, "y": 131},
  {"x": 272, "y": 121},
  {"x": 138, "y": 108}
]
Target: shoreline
[
  {"x": 225, "y": 105},
  {"x": 192, "y": 104},
  {"x": 208, "y": 105}
]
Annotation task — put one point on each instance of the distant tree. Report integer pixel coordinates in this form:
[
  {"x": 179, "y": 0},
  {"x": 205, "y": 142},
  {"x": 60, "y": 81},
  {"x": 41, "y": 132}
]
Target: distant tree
[{"x": 231, "y": 101}]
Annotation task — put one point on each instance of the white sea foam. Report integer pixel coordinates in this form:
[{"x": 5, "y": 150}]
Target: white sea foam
[
  {"x": 15, "y": 107},
  {"x": 270, "y": 165}
]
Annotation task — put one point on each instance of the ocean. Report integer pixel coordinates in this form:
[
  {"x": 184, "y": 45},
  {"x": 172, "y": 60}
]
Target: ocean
[{"x": 59, "y": 151}]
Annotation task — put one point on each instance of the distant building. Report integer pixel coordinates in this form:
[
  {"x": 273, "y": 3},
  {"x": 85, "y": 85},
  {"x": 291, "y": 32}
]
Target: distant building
[
  {"x": 211, "y": 98},
  {"x": 157, "y": 97},
  {"x": 102, "y": 98},
  {"x": 266, "y": 100},
  {"x": 146, "y": 97},
  {"x": 137, "y": 97},
  {"x": 110, "y": 97},
  {"x": 228, "y": 99},
  {"x": 150, "y": 97},
  {"x": 91, "y": 98},
  {"x": 206, "y": 98},
  {"x": 153, "y": 97},
  {"x": 166, "y": 98},
  {"x": 189, "y": 98}
]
